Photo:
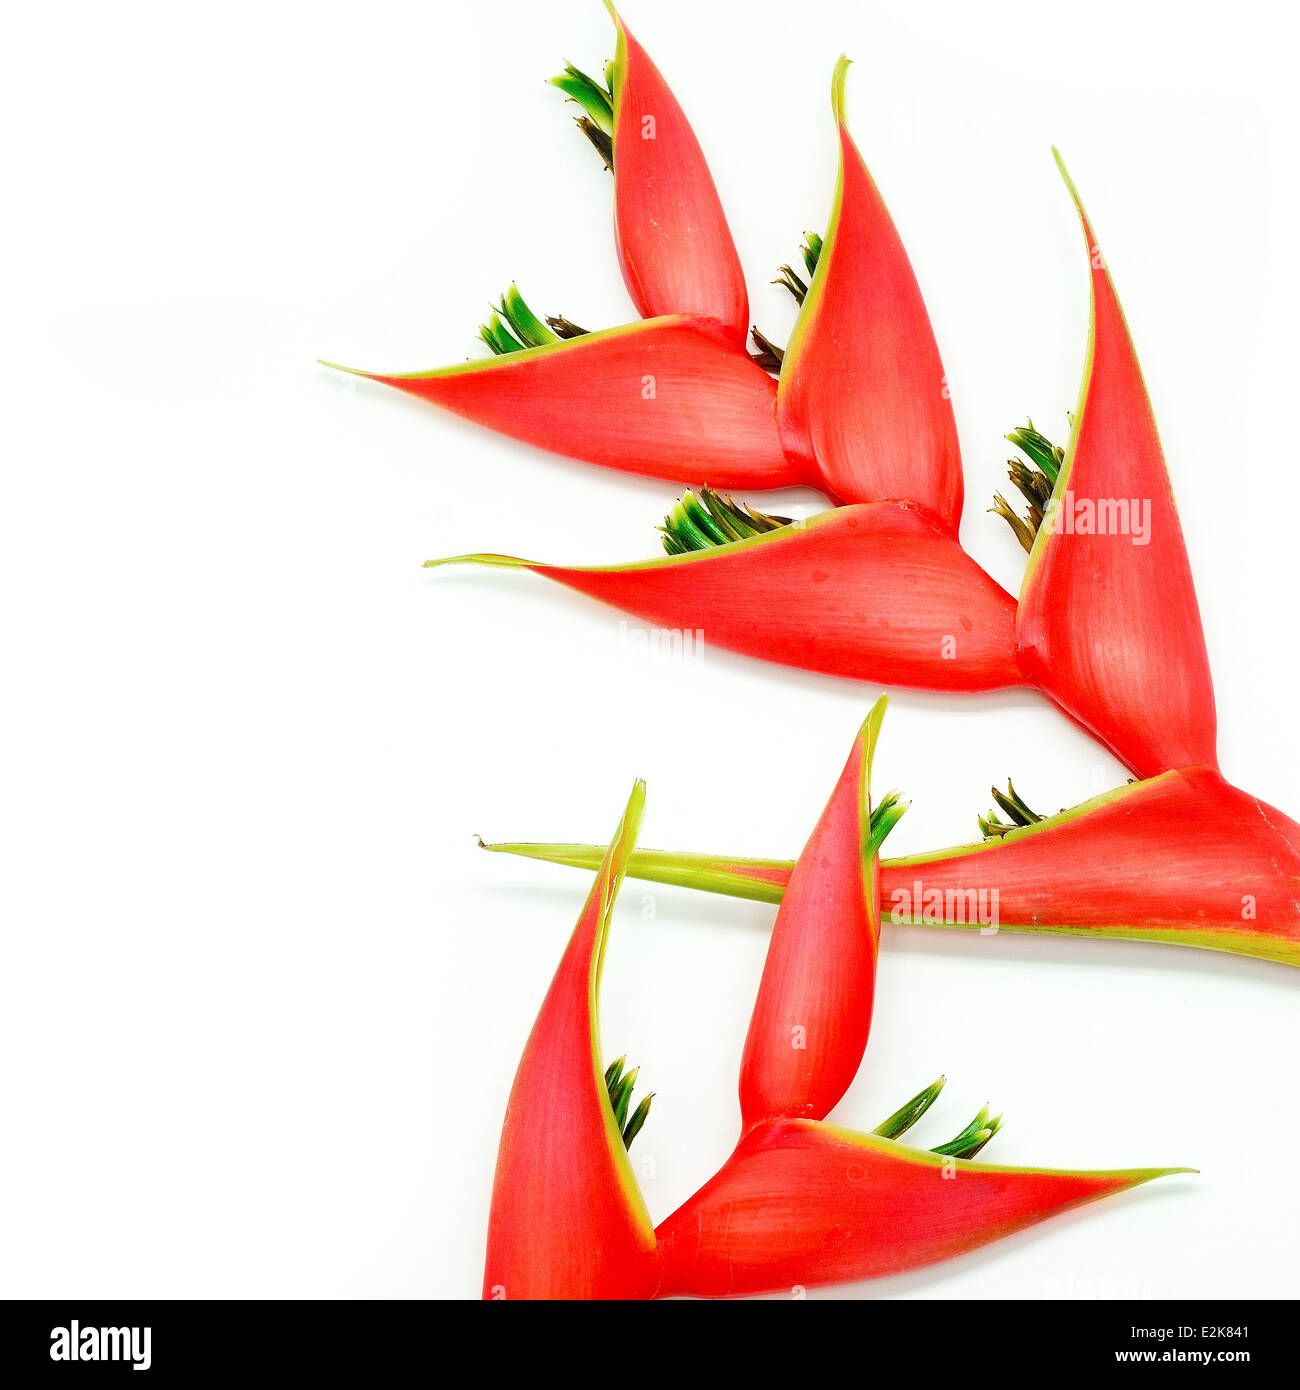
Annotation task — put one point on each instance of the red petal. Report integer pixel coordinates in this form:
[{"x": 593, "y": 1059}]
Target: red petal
[
  {"x": 863, "y": 402},
  {"x": 876, "y": 593},
  {"x": 567, "y": 1220},
  {"x": 673, "y": 241},
  {"x": 801, "y": 1204},
  {"x": 1109, "y": 628},
  {"x": 669, "y": 398},
  {"x": 1185, "y": 858},
  {"x": 813, "y": 1013}
]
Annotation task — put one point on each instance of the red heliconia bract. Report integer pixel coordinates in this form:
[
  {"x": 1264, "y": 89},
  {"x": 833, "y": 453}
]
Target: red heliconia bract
[
  {"x": 674, "y": 244},
  {"x": 812, "y": 1016},
  {"x": 665, "y": 398},
  {"x": 1184, "y": 858},
  {"x": 567, "y": 1219},
  {"x": 801, "y": 1203},
  {"x": 876, "y": 592},
  {"x": 863, "y": 403},
  {"x": 1108, "y": 624}
]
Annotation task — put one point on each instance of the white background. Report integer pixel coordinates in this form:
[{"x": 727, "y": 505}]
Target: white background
[{"x": 261, "y": 998}]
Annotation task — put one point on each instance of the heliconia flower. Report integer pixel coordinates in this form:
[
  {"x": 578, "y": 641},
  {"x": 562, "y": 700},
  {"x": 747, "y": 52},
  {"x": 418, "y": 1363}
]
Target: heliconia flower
[
  {"x": 674, "y": 396},
  {"x": 801, "y": 1203},
  {"x": 877, "y": 592},
  {"x": 864, "y": 413},
  {"x": 673, "y": 240},
  {"x": 1108, "y": 623},
  {"x": 567, "y": 1219},
  {"x": 1183, "y": 858},
  {"x": 813, "y": 1014},
  {"x": 863, "y": 403}
]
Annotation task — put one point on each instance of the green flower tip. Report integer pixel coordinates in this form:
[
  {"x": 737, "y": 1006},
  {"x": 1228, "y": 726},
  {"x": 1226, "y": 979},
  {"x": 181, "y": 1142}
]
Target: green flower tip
[
  {"x": 870, "y": 730},
  {"x": 497, "y": 561},
  {"x": 1078, "y": 201},
  {"x": 837, "y": 86},
  {"x": 1059, "y": 161}
]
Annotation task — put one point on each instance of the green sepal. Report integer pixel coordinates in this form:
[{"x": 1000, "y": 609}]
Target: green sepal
[
  {"x": 1045, "y": 455},
  {"x": 621, "y": 1095},
  {"x": 973, "y": 1138},
  {"x": 529, "y": 329},
  {"x": 792, "y": 281},
  {"x": 498, "y": 337},
  {"x": 595, "y": 100},
  {"x": 700, "y": 521},
  {"x": 1034, "y": 481},
  {"x": 633, "y": 1126},
  {"x": 907, "y": 1115},
  {"x": 1015, "y": 806},
  {"x": 811, "y": 251},
  {"x": 620, "y": 1085},
  {"x": 563, "y": 328},
  {"x": 603, "y": 144},
  {"x": 885, "y": 815},
  {"x": 768, "y": 356}
]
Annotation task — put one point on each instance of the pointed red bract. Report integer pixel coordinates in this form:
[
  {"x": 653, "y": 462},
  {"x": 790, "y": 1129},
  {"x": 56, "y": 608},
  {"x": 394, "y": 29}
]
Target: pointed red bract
[
  {"x": 813, "y": 1013},
  {"x": 863, "y": 403},
  {"x": 800, "y": 1204},
  {"x": 876, "y": 593},
  {"x": 567, "y": 1220},
  {"x": 673, "y": 241},
  {"x": 668, "y": 398},
  {"x": 1184, "y": 858},
  {"x": 1108, "y": 624}
]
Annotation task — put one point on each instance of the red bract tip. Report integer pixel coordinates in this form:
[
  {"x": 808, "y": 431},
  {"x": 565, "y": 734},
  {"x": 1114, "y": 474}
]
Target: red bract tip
[
  {"x": 1108, "y": 624},
  {"x": 673, "y": 240},
  {"x": 877, "y": 593},
  {"x": 800, "y": 1204},
  {"x": 567, "y": 1220},
  {"x": 813, "y": 1013},
  {"x": 863, "y": 402}
]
